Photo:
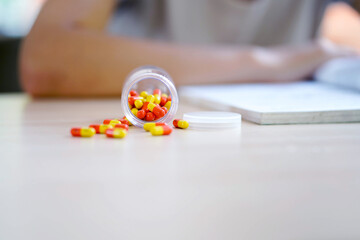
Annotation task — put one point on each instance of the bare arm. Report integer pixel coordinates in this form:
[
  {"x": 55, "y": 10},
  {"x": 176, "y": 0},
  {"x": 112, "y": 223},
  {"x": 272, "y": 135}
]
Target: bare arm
[{"x": 68, "y": 54}]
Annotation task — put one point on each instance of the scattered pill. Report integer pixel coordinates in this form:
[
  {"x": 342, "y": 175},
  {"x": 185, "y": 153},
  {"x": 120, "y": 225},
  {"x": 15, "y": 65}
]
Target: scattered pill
[
  {"x": 104, "y": 127},
  {"x": 96, "y": 127},
  {"x": 160, "y": 130},
  {"x": 83, "y": 132},
  {"x": 121, "y": 125},
  {"x": 148, "y": 126},
  {"x": 113, "y": 122},
  {"x": 179, "y": 123},
  {"x": 116, "y": 133}
]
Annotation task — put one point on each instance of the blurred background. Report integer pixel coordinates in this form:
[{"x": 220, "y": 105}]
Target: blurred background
[{"x": 132, "y": 17}]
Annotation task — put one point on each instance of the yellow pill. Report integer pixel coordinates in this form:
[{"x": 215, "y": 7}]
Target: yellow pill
[
  {"x": 151, "y": 106},
  {"x": 104, "y": 127},
  {"x": 164, "y": 95},
  {"x": 168, "y": 105},
  {"x": 157, "y": 99},
  {"x": 149, "y": 126},
  {"x": 150, "y": 98},
  {"x": 134, "y": 111},
  {"x": 83, "y": 132},
  {"x": 144, "y": 94},
  {"x": 114, "y": 122},
  {"x": 138, "y": 104},
  {"x": 116, "y": 133}
]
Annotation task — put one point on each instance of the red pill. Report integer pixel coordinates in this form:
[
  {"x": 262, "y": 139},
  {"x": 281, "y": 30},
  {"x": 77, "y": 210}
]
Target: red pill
[
  {"x": 107, "y": 121},
  {"x": 133, "y": 93},
  {"x": 145, "y": 107},
  {"x": 165, "y": 110},
  {"x": 150, "y": 116},
  {"x": 96, "y": 127},
  {"x": 132, "y": 99},
  {"x": 141, "y": 114},
  {"x": 161, "y": 130},
  {"x": 121, "y": 125},
  {"x": 163, "y": 100},
  {"x": 124, "y": 121},
  {"x": 157, "y": 91}
]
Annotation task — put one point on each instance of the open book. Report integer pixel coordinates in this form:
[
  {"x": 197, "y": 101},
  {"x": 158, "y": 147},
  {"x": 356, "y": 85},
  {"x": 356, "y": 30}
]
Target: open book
[{"x": 333, "y": 97}]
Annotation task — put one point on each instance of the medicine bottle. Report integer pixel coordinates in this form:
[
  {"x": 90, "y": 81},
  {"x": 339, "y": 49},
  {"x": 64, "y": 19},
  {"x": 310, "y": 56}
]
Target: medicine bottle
[{"x": 149, "y": 78}]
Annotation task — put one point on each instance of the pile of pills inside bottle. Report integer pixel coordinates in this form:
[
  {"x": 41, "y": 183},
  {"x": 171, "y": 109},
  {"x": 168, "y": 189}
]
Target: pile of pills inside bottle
[{"x": 149, "y": 107}]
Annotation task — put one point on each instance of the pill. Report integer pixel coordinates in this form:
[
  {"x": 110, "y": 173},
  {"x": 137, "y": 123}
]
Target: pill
[
  {"x": 138, "y": 103},
  {"x": 148, "y": 126},
  {"x": 134, "y": 111},
  {"x": 150, "y": 116},
  {"x": 104, "y": 127},
  {"x": 107, "y": 121},
  {"x": 116, "y": 133},
  {"x": 82, "y": 132},
  {"x": 168, "y": 105},
  {"x": 179, "y": 123},
  {"x": 144, "y": 94},
  {"x": 133, "y": 93},
  {"x": 160, "y": 130},
  {"x": 164, "y": 95},
  {"x": 113, "y": 122},
  {"x": 145, "y": 107},
  {"x": 128, "y": 122},
  {"x": 150, "y": 98},
  {"x": 96, "y": 127},
  {"x": 132, "y": 99},
  {"x": 141, "y": 114},
  {"x": 121, "y": 125},
  {"x": 157, "y": 91},
  {"x": 156, "y": 109},
  {"x": 163, "y": 101},
  {"x": 124, "y": 121},
  {"x": 169, "y": 98},
  {"x": 157, "y": 99},
  {"x": 165, "y": 109}
]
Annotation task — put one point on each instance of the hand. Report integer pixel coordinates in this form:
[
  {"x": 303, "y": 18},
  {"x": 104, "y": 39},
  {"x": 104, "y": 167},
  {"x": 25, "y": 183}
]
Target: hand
[{"x": 340, "y": 29}]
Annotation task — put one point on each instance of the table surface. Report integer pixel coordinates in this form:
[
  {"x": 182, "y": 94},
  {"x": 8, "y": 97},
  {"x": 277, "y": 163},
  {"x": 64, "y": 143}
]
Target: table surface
[{"x": 263, "y": 182}]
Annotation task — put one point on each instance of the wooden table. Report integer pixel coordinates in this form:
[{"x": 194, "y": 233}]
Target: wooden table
[{"x": 263, "y": 182}]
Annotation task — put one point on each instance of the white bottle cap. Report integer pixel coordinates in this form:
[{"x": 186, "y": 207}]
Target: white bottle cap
[{"x": 213, "y": 120}]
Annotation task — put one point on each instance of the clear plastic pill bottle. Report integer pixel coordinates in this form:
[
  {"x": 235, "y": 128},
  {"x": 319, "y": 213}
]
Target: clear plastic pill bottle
[{"x": 149, "y": 78}]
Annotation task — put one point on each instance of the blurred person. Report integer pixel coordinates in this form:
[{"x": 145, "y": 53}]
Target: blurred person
[{"x": 69, "y": 51}]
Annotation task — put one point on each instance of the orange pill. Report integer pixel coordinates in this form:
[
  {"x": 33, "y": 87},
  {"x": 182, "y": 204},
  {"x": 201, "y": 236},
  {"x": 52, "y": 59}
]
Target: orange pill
[
  {"x": 161, "y": 130},
  {"x": 145, "y": 107},
  {"x": 169, "y": 98},
  {"x": 141, "y": 114},
  {"x": 150, "y": 116},
  {"x": 121, "y": 125},
  {"x": 163, "y": 100},
  {"x": 82, "y": 132},
  {"x": 132, "y": 100},
  {"x": 133, "y": 93},
  {"x": 165, "y": 110},
  {"x": 116, "y": 133},
  {"x": 96, "y": 127},
  {"x": 157, "y": 91},
  {"x": 156, "y": 109},
  {"x": 179, "y": 123},
  {"x": 124, "y": 121},
  {"x": 149, "y": 126},
  {"x": 107, "y": 121}
]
